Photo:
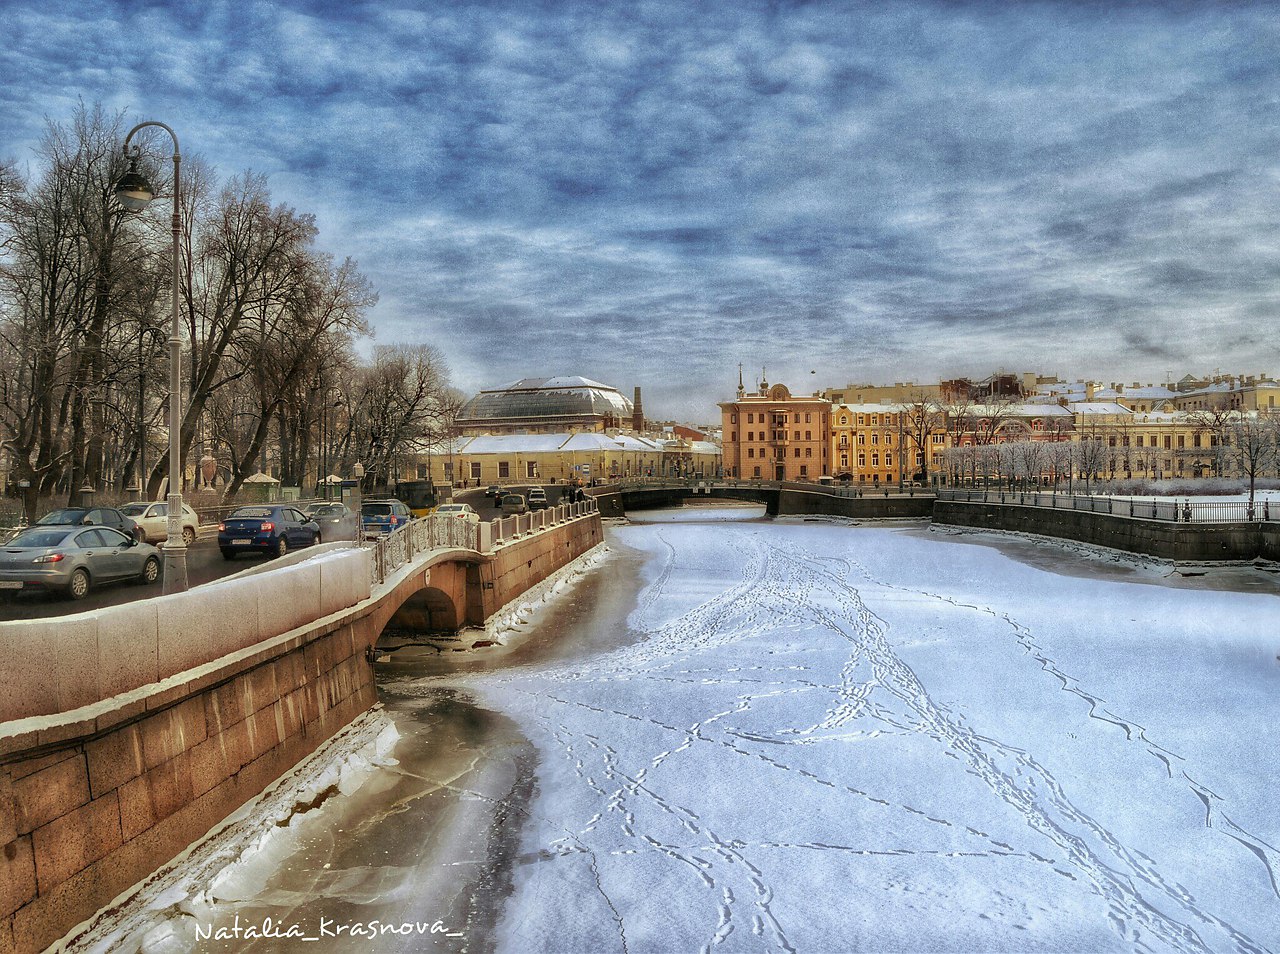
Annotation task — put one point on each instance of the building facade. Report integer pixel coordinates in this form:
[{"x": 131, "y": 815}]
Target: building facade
[{"x": 772, "y": 435}]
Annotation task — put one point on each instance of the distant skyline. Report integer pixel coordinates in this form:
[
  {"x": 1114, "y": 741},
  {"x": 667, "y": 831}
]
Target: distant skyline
[{"x": 650, "y": 193}]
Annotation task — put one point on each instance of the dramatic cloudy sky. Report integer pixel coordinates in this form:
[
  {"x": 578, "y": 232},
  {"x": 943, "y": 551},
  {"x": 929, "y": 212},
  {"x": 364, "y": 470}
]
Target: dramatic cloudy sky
[{"x": 648, "y": 193}]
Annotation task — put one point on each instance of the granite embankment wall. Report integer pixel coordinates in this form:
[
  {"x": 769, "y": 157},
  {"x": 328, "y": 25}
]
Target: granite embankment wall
[
  {"x": 129, "y": 733},
  {"x": 1181, "y": 542}
]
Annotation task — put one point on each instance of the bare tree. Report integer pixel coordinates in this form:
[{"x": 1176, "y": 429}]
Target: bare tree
[
  {"x": 1252, "y": 446},
  {"x": 922, "y": 416}
]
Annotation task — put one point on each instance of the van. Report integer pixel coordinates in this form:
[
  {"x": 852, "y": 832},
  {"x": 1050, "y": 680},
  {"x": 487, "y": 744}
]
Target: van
[{"x": 513, "y": 503}]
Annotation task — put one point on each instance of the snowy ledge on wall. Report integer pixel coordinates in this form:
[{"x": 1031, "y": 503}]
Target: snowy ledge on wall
[
  {"x": 1092, "y": 551},
  {"x": 512, "y": 620},
  {"x": 141, "y": 917}
]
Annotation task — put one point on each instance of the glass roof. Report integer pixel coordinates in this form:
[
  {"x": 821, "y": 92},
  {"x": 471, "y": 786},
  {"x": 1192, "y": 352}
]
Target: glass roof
[{"x": 541, "y": 398}]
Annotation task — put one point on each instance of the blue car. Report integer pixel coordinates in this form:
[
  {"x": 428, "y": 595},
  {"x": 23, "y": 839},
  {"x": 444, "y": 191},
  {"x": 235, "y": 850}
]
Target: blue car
[
  {"x": 379, "y": 517},
  {"x": 273, "y": 529}
]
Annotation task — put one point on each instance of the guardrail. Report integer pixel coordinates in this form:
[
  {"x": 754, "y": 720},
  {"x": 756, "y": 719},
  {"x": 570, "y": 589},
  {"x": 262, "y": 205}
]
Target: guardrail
[
  {"x": 444, "y": 530},
  {"x": 1155, "y": 508},
  {"x": 833, "y": 489}
]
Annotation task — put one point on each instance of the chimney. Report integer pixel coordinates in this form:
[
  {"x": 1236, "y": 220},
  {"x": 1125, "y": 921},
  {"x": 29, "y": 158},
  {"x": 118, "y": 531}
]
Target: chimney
[
  {"x": 637, "y": 414},
  {"x": 1088, "y": 391}
]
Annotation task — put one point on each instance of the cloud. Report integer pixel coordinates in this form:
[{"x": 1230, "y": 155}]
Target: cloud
[{"x": 648, "y": 193}]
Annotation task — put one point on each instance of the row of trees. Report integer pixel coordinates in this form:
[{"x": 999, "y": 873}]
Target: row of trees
[
  {"x": 271, "y": 324},
  {"x": 1241, "y": 444}
]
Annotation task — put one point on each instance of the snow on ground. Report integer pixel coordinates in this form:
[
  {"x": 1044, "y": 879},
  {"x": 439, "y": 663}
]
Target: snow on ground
[{"x": 830, "y": 738}]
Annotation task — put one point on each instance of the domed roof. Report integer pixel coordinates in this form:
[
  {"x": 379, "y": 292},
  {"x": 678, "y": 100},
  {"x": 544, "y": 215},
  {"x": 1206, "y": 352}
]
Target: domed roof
[{"x": 566, "y": 398}]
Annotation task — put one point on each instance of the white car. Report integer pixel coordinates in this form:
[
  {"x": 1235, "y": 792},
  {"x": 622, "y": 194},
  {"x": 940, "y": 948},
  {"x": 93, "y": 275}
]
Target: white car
[
  {"x": 460, "y": 510},
  {"x": 153, "y": 520}
]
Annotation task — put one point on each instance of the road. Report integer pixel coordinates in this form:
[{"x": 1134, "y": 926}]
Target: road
[{"x": 204, "y": 565}]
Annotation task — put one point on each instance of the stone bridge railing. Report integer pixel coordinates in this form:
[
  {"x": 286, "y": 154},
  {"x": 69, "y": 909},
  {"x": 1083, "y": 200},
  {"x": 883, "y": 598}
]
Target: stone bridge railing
[{"x": 443, "y": 530}]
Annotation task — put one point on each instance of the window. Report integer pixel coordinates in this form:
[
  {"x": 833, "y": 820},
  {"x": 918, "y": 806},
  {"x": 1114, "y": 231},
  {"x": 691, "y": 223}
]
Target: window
[
  {"x": 1182, "y": 441},
  {"x": 797, "y": 435},
  {"x": 862, "y": 438},
  {"x": 1168, "y": 442},
  {"x": 750, "y": 417},
  {"x": 939, "y": 438},
  {"x": 875, "y": 460},
  {"x": 1139, "y": 440},
  {"x": 808, "y": 451},
  {"x": 862, "y": 460},
  {"x": 844, "y": 460},
  {"x": 875, "y": 438},
  {"x": 422, "y": 471},
  {"x": 807, "y": 417},
  {"x": 797, "y": 452},
  {"x": 757, "y": 472},
  {"x": 531, "y": 468},
  {"x": 844, "y": 419},
  {"x": 862, "y": 419},
  {"x": 804, "y": 471},
  {"x": 751, "y": 435},
  {"x": 733, "y": 419},
  {"x": 808, "y": 435},
  {"x": 475, "y": 470},
  {"x": 751, "y": 452},
  {"x": 504, "y": 470}
]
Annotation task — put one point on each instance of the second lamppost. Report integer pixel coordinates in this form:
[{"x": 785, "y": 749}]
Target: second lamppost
[{"x": 135, "y": 194}]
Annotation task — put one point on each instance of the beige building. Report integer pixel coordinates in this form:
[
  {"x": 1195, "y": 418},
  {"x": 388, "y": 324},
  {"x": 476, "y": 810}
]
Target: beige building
[
  {"x": 771, "y": 435},
  {"x": 870, "y": 444},
  {"x": 557, "y": 458}
]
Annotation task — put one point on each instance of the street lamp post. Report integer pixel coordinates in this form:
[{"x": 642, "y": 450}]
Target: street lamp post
[{"x": 135, "y": 194}]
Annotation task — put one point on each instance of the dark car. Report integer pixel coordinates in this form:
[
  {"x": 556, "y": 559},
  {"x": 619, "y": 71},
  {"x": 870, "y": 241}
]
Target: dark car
[
  {"x": 384, "y": 516},
  {"x": 337, "y": 521},
  {"x": 91, "y": 517},
  {"x": 495, "y": 492},
  {"x": 269, "y": 528},
  {"x": 73, "y": 559}
]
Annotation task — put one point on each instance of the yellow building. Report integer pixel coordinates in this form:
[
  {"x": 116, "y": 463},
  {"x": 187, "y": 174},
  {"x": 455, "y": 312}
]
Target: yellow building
[
  {"x": 585, "y": 456},
  {"x": 870, "y": 444},
  {"x": 771, "y": 435}
]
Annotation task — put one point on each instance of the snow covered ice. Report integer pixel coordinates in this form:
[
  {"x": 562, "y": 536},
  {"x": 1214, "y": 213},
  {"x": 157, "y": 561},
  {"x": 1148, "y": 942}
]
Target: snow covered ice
[
  {"x": 727, "y": 734},
  {"x": 831, "y": 738}
]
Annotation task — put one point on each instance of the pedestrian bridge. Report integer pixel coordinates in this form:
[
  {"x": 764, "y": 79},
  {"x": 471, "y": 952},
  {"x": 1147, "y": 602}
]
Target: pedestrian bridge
[{"x": 128, "y": 733}]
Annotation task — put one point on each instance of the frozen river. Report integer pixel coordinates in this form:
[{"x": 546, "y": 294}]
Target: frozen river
[{"x": 751, "y": 735}]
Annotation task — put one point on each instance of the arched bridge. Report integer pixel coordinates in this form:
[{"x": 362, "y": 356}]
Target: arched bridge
[
  {"x": 157, "y": 719},
  {"x": 780, "y": 498}
]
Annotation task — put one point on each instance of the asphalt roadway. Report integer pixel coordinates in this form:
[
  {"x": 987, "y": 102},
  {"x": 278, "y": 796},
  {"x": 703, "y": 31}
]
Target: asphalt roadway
[{"x": 204, "y": 565}]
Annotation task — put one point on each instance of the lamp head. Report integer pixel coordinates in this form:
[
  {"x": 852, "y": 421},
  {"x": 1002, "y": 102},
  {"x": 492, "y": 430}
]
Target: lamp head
[{"x": 133, "y": 190}]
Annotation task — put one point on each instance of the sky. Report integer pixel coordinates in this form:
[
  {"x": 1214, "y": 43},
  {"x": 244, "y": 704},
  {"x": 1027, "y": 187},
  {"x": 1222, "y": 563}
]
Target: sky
[{"x": 652, "y": 193}]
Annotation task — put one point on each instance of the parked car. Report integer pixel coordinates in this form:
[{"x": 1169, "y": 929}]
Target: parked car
[
  {"x": 513, "y": 503},
  {"x": 153, "y": 520},
  {"x": 384, "y": 516},
  {"x": 337, "y": 521},
  {"x": 537, "y": 498},
  {"x": 74, "y": 559},
  {"x": 91, "y": 517},
  {"x": 460, "y": 510},
  {"x": 269, "y": 528}
]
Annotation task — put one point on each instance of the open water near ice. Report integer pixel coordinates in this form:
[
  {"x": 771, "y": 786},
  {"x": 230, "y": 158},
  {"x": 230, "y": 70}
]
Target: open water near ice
[{"x": 744, "y": 735}]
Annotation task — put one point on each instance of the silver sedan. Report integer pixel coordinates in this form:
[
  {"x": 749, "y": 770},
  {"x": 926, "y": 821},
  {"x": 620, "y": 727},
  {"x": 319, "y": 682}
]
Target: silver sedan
[{"x": 74, "y": 559}]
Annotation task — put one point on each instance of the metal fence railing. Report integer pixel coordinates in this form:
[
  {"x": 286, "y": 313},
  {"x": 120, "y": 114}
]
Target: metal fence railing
[
  {"x": 437, "y": 531},
  {"x": 1145, "y": 508}
]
